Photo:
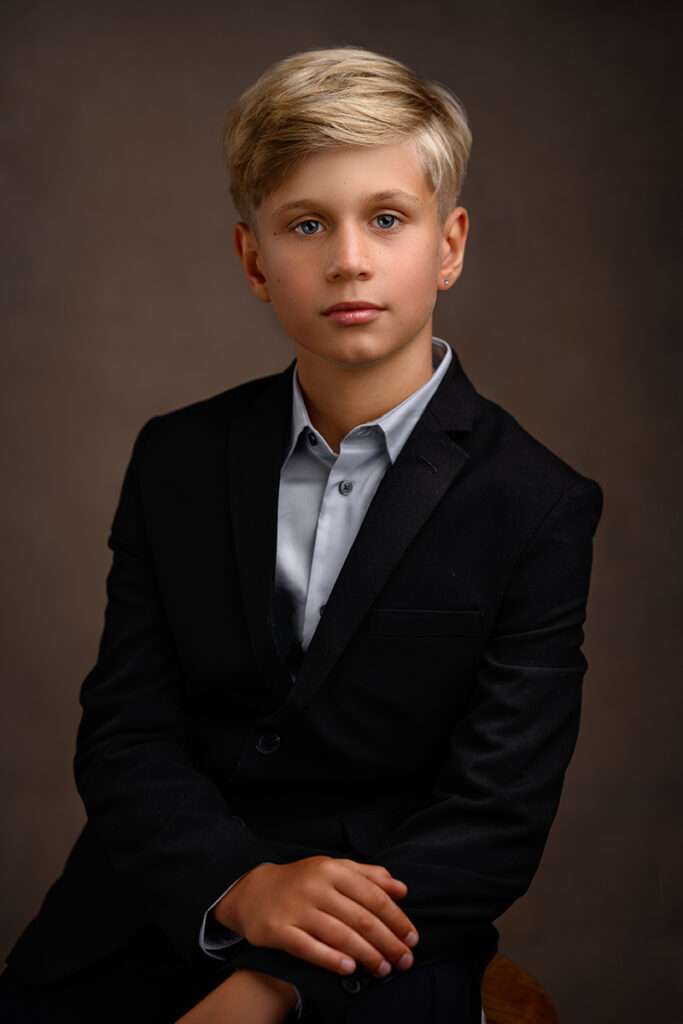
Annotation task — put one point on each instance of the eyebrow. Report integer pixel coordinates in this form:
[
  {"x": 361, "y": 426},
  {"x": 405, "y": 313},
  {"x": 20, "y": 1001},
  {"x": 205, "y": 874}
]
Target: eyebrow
[{"x": 376, "y": 197}]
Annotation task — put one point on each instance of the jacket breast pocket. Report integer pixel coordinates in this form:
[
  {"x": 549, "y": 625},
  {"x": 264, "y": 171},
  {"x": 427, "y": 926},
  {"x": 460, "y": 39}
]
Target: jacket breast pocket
[
  {"x": 424, "y": 622},
  {"x": 417, "y": 665}
]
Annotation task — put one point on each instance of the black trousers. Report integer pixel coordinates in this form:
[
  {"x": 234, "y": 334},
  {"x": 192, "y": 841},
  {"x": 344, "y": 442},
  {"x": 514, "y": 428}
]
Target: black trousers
[{"x": 148, "y": 982}]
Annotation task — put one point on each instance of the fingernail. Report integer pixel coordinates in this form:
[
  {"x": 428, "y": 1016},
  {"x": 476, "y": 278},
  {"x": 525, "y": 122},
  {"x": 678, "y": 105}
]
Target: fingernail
[
  {"x": 384, "y": 969},
  {"x": 411, "y": 939},
  {"x": 405, "y": 961},
  {"x": 348, "y": 966}
]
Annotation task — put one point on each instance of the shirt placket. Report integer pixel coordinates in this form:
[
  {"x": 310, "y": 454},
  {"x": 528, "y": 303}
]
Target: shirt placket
[{"x": 328, "y": 553}]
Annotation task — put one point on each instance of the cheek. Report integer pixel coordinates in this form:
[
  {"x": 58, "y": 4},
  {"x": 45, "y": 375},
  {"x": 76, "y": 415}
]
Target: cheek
[
  {"x": 289, "y": 277},
  {"x": 416, "y": 271},
  {"x": 415, "y": 287}
]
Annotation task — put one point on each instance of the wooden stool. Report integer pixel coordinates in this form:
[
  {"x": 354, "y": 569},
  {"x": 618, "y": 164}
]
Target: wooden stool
[{"x": 511, "y": 996}]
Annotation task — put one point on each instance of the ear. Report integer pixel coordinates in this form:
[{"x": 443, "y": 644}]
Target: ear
[
  {"x": 246, "y": 244},
  {"x": 453, "y": 242}
]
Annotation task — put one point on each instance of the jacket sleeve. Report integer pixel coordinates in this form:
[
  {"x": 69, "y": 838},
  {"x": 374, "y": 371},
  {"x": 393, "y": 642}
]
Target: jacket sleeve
[
  {"x": 472, "y": 850},
  {"x": 164, "y": 823}
]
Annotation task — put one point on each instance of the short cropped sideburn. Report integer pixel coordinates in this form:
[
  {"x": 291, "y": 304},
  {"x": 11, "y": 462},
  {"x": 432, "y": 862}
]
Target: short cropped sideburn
[{"x": 317, "y": 100}]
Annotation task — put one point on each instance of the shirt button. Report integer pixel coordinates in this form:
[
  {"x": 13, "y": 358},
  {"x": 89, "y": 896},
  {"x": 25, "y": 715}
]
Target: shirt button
[
  {"x": 267, "y": 743},
  {"x": 322, "y": 608},
  {"x": 312, "y": 438},
  {"x": 345, "y": 487}
]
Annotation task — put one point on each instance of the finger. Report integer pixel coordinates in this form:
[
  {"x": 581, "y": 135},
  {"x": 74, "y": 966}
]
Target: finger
[
  {"x": 376, "y": 919},
  {"x": 395, "y": 886},
  {"x": 376, "y": 926},
  {"x": 362, "y": 887},
  {"x": 300, "y": 943},
  {"x": 377, "y": 873},
  {"x": 334, "y": 931}
]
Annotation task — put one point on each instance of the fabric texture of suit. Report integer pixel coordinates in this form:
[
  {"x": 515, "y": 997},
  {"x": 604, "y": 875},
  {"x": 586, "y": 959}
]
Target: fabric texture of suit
[{"x": 428, "y": 727}]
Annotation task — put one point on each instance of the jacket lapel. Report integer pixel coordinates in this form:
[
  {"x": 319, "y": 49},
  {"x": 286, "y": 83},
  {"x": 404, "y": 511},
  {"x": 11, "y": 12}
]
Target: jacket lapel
[
  {"x": 408, "y": 493},
  {"x": 257, "y": 444}
]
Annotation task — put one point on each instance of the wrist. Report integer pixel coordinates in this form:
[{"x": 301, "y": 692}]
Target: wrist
[
  {"x": 227, "y": 910},
  {"x": 285, "y": 989},
  {"x": 281, "y": 994}
]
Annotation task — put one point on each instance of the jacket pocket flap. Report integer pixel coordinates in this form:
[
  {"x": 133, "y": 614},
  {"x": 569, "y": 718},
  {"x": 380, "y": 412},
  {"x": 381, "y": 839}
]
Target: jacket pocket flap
[{"x": 424, "y": 622}]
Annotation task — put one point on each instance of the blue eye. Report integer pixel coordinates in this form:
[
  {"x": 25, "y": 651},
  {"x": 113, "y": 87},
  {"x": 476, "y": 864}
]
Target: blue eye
[
  {"x": 313, "y": 220},
  {"x": 305, "y": 222},
  {"x": 392, "y": 215}
]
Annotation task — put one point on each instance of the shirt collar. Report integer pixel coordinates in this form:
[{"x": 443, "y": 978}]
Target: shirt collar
[{"x": 396, "y": 424}]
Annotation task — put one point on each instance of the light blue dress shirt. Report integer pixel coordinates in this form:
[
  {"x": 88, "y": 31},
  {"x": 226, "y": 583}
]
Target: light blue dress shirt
[{"x": 323, "y": 498}]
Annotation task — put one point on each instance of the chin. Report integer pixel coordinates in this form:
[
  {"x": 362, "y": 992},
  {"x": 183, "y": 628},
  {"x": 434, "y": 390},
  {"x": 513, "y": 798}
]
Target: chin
[
  {"x": 356, "y": 358},
  {"x": 355, "y": 349}
]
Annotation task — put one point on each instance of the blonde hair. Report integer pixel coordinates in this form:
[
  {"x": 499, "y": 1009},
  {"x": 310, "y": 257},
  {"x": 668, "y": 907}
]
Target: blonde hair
[{"x": 320, "y": 99}]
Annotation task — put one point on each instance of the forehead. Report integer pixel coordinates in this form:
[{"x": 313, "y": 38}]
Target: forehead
[{"x": 351, "y": 174}]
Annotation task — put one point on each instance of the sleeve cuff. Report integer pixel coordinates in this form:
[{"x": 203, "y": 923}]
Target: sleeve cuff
[{"x": 214, "y": 936}]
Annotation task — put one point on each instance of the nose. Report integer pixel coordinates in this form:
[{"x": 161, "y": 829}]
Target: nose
[{"x": 349, "y": 256}]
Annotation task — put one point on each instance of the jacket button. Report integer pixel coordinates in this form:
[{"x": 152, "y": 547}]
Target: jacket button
[
  {"x": 267, "y": 743},
  {"x": 351, "y": 985}
]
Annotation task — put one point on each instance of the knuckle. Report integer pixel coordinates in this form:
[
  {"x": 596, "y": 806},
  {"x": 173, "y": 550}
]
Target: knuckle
[
  {"x": 364, "y": 922},
  {"x": 380, "y": 900},
  {"x": 308, "y": 889},
  {"x": 269, "y": 932},
  {"x": 293, "y": 943}
]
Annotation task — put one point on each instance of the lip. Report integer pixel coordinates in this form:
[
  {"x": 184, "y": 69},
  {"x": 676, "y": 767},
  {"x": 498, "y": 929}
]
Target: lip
[
  {"x": 355, "y": 315},
  {"x": 343, "y": 306}
]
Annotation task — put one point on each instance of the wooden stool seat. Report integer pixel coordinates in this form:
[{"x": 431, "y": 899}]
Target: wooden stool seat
[{"x": 509, "y": 995}]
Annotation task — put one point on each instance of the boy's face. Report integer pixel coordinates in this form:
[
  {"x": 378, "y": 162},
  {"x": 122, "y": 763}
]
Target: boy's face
[{"x": 343, "y": 245}]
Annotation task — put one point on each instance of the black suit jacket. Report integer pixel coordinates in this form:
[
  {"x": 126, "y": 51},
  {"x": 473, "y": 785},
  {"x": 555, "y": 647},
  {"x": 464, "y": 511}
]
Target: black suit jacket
[{"x": 428, "y": 727}]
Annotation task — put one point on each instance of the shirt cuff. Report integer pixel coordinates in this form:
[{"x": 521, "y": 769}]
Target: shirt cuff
[{"x": 214, "y": 936}]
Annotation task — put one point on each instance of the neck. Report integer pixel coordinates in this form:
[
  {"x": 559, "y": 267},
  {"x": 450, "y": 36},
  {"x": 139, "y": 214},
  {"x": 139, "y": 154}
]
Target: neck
[{"x": 340, "y": 396}]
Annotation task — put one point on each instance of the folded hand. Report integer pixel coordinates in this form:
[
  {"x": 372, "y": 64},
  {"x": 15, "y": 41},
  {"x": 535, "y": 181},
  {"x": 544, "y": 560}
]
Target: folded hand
[{"x": 332, "y": 912}]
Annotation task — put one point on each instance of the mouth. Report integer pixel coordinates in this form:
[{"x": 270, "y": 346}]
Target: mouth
[
  {"x": 344, "y": 307},
  {"x": 355, "y": 315}
]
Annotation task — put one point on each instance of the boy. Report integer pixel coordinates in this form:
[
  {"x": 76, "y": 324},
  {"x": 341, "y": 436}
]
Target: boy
[{"x": 340, "y": 677}]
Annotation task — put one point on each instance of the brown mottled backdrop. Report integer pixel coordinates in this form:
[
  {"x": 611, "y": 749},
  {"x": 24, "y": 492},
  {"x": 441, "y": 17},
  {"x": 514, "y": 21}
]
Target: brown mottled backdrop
[{"x": 123, "y": 297}]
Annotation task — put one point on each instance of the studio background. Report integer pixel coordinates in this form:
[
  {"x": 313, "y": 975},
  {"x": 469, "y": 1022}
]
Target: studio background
[{"x": 123, "y": 298}]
